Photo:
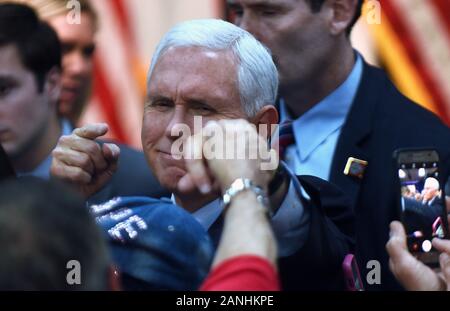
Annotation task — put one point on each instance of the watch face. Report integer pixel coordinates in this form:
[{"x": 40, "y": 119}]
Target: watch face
[
  {"x": 242, "y": 184},
  {"x": 226, "y": 199}
]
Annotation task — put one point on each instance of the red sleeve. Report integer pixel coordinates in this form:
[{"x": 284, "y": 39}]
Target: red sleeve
[{"x": 242, "y": 273}]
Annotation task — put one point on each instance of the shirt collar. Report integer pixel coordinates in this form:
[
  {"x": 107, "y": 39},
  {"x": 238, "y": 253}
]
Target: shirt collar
[
  {"x": 41, "y": 171},
  {"x": 317, "y": 124},
  {"x": 207, "y": 214},
  {"x": 67, "y": 128}
]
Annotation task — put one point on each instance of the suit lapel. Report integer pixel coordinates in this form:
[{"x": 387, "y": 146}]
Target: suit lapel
[{"x": 355, "y": 135}]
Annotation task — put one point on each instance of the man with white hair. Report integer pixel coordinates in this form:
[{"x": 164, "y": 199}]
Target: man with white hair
[
  {"x": 423, "y": 214},
  {"x": 221, "y": 73},
  {"x": 430, "y": 191}
]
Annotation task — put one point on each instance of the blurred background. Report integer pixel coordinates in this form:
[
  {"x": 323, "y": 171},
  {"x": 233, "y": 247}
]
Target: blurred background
[{"x": 410, "y": 39}]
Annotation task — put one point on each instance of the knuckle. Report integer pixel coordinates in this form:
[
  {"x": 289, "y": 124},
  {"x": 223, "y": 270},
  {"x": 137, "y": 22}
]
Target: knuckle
[
  {"x": 79, "y": 175},
  {"x": 85, "y": 162},
  {"x": 58, "y": 170},
  {"x": 65, "y": 139},
  {"x": 389, "y": 245},
  {"x": 79, "y": 131},
  {"x": 55, "y": 169},
  {"x": 57, "y": 152},
  {"x": 92, "y": 148},
  {"x": 84, "y": 158}
]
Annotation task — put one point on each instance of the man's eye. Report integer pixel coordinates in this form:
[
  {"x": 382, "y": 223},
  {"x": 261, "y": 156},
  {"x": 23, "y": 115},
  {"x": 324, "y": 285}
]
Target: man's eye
[
  {"x": 5, "y": 90},
  {"x": 237, "y": 12},
  {"x": 66, "y": 48},
  {"x": 203, "y": 110},
  {"x": 268, "y": 12},
  {"x": 160, "y": 104},
  {"x": 89, "y": 51}
]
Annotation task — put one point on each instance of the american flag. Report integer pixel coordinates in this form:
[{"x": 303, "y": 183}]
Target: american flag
[
  {"x": 413, "y": 40},
  {"x": 128, "y": 33}
]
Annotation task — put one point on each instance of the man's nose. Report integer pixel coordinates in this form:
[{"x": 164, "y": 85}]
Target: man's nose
[
  {"x": 78, "y": 64},
  {"x": 178, "y": 125}
]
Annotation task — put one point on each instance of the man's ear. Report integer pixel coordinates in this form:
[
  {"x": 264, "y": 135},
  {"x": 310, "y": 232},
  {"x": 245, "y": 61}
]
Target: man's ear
[
  {"x": 114, "y": 282},
  {"x": 267, "y": 115},
  {"x": 52, "y": 85},
  {"x": 343, "y": 12}
]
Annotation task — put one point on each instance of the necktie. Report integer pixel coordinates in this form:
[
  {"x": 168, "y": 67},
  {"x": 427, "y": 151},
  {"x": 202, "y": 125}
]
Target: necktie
[{"x": 284, "y": 139}]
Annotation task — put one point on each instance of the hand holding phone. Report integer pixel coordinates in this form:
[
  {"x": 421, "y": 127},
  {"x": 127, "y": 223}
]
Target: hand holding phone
[{"x": 421, "y": 201}]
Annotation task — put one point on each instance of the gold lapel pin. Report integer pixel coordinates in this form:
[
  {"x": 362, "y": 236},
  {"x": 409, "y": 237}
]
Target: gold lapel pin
[{"x": 355, "y": 167}]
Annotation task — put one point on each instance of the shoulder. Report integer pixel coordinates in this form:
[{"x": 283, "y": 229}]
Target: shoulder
[{"x": 395, "y": 110}]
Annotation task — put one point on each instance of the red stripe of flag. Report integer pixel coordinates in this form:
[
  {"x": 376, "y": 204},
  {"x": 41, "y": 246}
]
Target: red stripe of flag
[
  {"x": 413, "y": 49},
  {"x": 443, "y": 9},
  {"x": 122, "y": 17},
  {"x": 108, "y": 101}
]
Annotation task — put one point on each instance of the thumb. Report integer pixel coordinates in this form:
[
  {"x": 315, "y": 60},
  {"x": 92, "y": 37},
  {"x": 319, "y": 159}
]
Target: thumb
[
  {"x": 397, "y": 245},
  {"x": 111, "y": 152},
  {"x": 411, "y": 273},
  {"x": 92, "y": 131}
]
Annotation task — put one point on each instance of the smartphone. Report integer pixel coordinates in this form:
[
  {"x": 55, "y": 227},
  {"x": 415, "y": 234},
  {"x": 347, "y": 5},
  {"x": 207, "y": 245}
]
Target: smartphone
[
  {"x": 421, "y": 201},
  {"x": 351, "y": 274}
]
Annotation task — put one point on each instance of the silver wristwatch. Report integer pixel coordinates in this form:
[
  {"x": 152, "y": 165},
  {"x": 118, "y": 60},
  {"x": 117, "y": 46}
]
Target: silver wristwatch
[{"x": 242, "y": 184}]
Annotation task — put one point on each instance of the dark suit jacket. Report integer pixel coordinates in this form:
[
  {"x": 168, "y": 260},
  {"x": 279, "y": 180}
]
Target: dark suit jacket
[
  {"x": 132, "y": 178},
  {"x": 317, "y": 265},
  {"x": 380, "y": 121}
]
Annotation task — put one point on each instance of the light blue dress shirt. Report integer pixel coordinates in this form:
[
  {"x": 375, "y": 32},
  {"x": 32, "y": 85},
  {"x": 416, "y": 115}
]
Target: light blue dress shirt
[
  {"x": 43, "y": 169},
  {"x": 317, "y": 131}
]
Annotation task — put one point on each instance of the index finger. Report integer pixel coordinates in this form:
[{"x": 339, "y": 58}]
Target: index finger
[
  {"x": 92, "y": 131},
  {"x": 195, "y": 165}
]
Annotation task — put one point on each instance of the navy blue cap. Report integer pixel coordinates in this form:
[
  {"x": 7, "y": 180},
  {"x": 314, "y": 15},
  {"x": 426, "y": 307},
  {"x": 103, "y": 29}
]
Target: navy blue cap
[{"x": 155, "y": 242}]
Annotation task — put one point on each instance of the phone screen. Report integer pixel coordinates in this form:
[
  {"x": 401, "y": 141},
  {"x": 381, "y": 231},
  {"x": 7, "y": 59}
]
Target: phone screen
[{"x": 422, "y": 200}]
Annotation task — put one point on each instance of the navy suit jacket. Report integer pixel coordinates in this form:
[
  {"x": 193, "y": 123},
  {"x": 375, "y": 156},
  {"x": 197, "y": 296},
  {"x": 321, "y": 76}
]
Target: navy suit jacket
[
  {"x": 420, "y": 217},
  {"x": 380, "y": 121}
]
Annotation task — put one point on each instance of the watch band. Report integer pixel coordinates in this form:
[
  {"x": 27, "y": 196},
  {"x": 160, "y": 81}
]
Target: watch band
[{"x": 241, "y": 184}]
